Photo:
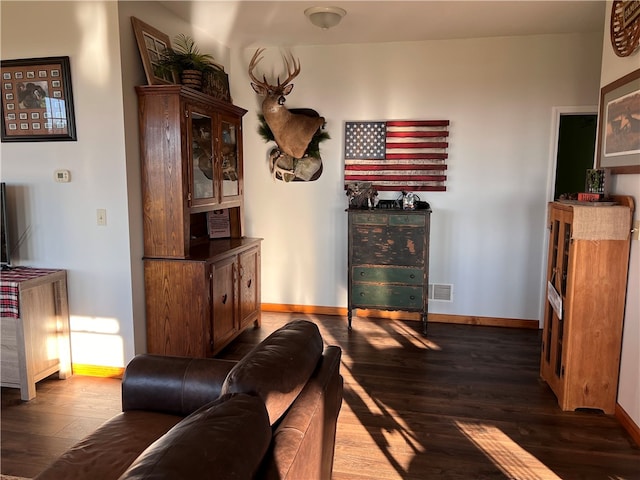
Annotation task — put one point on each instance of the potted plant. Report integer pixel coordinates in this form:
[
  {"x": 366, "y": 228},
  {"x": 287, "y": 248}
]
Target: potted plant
[{"x": 186, "y": 62}]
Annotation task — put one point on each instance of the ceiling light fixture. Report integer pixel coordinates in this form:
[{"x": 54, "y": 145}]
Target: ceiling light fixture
[{"x": 325, "y": 17}]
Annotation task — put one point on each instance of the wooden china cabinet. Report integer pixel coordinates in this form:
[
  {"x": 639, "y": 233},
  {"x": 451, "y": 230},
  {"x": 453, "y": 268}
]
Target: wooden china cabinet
[
  {"x": 201, "y": 292},
  {"x": 586, "y": 286}
]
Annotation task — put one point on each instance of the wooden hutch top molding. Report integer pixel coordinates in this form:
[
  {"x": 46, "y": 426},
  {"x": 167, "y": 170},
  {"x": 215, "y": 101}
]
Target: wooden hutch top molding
[{"x": 193, "y": 96}]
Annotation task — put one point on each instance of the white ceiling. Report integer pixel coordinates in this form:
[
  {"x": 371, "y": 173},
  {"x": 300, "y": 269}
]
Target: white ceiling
[{"x": 283, "y": 23}]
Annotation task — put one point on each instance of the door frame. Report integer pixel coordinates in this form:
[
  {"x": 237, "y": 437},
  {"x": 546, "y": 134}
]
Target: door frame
[{"x": 556, "y": 113}]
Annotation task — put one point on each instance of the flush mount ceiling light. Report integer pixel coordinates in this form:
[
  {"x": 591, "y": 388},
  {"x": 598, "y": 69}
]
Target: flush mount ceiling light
[{"x": 325, "y": 17}]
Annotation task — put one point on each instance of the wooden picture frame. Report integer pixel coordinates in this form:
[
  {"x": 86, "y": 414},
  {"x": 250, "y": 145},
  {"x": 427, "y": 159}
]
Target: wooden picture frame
[
  {"x": 151, "y": 43},
  {"x": 37, "y": 100},
  {"x": 619, "y": 125}
]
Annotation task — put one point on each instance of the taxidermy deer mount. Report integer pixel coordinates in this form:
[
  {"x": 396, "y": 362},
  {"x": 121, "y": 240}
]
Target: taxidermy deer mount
[{"x": 292, "y": 131}]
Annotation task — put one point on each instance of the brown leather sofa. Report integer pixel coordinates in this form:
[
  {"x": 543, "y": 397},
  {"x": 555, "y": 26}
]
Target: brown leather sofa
[{"x": 271, "y": 415}]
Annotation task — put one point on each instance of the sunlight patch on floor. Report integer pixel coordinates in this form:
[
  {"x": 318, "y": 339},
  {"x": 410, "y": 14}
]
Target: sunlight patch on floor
[
  {"x": 417, "y": 339},
  {"x": 507, "y": 455}
]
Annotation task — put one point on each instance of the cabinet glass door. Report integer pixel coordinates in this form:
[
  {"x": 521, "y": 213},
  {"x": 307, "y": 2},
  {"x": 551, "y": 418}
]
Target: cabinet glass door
[
  {"x": 202, "y": 165},
  {"x": 229, "y": 159}
]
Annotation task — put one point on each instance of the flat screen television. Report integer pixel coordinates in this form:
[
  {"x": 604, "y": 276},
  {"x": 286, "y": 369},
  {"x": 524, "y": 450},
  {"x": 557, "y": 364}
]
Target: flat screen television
[{"x": 4, "y": 231}]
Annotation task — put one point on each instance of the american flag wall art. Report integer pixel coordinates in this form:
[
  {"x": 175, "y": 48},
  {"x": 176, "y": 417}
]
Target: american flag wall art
[{"x": 397, "y": 155}]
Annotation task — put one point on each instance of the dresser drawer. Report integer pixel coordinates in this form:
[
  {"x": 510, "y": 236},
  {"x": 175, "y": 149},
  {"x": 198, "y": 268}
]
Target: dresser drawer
[
  {"x": 399, "y": 219},
  {"x": 365, "y": 295},
  {"x": 383, "y": 245},
  {"x": 369, "y": 218},
  {"x": 411, "y": 276}
]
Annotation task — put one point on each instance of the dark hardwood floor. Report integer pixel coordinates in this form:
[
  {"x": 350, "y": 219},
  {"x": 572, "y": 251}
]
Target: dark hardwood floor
[{"x": 466, "y": 402}]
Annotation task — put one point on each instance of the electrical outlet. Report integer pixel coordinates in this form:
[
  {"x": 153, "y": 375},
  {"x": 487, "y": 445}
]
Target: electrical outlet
[
  {"x": 101, "y": 217},
  {"x": 635, "y": 232}
]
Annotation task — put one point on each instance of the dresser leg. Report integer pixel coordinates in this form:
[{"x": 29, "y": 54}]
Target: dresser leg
[
  {"x": 349, "y": 315},
  {"x": 424, "y": 324}
]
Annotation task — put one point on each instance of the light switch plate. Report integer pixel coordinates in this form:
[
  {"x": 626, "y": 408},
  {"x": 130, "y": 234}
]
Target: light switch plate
[{"x": 101, "y": 217}]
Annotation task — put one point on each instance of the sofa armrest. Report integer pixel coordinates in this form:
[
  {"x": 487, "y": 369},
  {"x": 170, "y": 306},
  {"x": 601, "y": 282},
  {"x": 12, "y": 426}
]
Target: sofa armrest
[{"x": 175, "y": 385}]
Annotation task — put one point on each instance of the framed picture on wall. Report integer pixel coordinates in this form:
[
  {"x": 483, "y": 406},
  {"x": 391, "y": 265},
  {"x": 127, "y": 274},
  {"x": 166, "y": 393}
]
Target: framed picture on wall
[
  {"x": 152, "y": 43},
  {"x": 37, "y": 100},
  {"x": 619, "y": 125}
]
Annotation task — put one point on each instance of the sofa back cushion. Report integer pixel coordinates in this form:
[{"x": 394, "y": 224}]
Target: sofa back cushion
[
  {"x": 227, "y": 438},
  {"x": 279, "y": 367},
  {"x": 303, "y": 441}
]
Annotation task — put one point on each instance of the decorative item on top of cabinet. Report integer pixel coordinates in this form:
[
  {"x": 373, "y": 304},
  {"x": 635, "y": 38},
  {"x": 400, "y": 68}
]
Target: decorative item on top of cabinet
[
  {"x": 187, "y": 62},
  {"x": 586, "y": 287},
  {"x": 201, "y": 292},
  {"x": 389, "y": 261}
]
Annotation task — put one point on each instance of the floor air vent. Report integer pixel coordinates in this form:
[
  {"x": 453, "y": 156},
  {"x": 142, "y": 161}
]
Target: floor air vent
[{"x": 441, "y": 292}]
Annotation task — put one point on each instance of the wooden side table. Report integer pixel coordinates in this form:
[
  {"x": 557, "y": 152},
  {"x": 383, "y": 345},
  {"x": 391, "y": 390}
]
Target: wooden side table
[{"x": 34, "y": 324}]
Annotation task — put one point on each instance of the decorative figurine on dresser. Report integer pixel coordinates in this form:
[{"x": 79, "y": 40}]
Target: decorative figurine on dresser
[
  {"x": 202, "y": 275},
  {"x": 388, "y": 256},
  {"x": 586, "y": 286}
]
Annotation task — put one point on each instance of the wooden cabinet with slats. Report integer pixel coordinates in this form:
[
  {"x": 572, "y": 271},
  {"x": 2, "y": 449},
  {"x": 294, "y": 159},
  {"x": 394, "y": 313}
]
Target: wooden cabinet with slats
[
  {"x": 586, "y": 287},
  {"x": 200, "y": 292}
]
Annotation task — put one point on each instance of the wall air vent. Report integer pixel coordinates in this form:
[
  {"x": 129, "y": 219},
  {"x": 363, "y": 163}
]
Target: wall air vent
[{"x": 441, "y": 292}]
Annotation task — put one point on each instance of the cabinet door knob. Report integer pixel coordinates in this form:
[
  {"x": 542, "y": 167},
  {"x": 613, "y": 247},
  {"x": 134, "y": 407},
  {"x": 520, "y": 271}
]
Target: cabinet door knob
[{"x": 224, "y": 299}]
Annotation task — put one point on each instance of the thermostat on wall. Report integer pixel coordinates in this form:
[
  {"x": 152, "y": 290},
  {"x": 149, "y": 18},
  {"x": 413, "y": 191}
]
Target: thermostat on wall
[{"x": 62, "y": 176}]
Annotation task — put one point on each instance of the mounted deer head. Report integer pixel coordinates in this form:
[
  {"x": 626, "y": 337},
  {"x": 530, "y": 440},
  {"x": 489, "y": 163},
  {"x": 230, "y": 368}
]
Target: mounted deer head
[{"x": 292, "y": 131}]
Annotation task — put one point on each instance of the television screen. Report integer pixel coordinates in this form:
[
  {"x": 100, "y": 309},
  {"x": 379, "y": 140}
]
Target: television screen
[{"x": 4, "y": 233}]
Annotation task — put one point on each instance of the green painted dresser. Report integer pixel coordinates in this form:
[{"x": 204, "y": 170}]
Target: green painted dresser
[{"x": 389, "y": 261}]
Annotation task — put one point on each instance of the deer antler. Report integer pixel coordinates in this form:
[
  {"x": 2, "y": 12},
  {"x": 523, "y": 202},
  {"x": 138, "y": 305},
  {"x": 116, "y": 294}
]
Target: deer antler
[
  {"x": 292, "y": 74},
  {"x": 293, "y": 69},
  {"x": 254, "y": 61}
]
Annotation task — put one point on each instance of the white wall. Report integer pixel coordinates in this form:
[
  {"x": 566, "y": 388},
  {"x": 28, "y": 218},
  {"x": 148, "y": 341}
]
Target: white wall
[
  {"x": 614, "y": 67},
  {"x": 488, "y": 229},
  {"x": 104, "y": 264},
  {"x": 58, "y": 220}
]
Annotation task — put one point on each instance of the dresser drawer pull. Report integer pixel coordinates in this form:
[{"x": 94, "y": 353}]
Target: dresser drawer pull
[
  {"x": 362, "y": 274},
  {"x": 412, "y": 297},
  {"x": 412, "y": 275},
  {"x": 362, "y": 294}
]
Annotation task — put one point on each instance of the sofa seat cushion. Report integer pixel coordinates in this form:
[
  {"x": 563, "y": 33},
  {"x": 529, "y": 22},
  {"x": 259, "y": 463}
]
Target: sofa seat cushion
[
  {"x": 278, "y": 368},
  {"x": 227, "y": 438},
  {"x": 107, "y": 453}
]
